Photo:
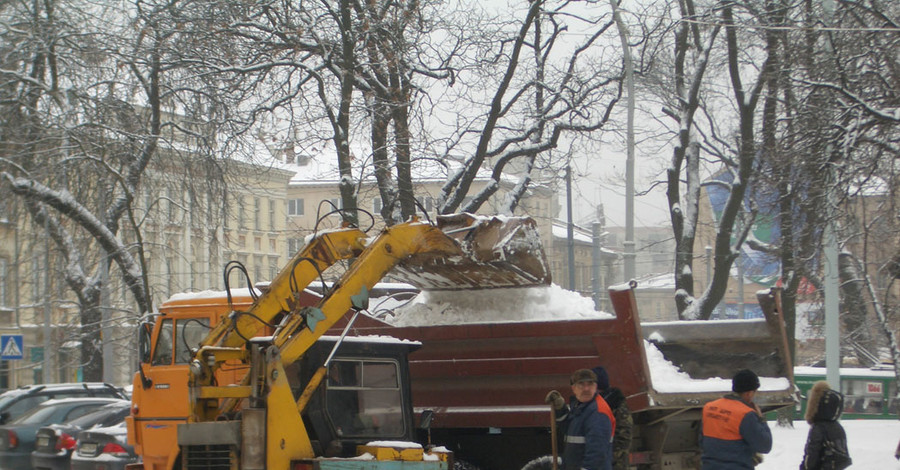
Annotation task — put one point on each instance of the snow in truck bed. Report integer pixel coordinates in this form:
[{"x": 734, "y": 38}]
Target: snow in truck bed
[{"x": 544, "y": 303}]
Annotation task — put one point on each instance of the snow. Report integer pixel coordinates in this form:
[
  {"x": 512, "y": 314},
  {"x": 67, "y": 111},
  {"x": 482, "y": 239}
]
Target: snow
[
  {"x": 395, "y": 444},
  {"x": 381, "y": 339},
  {"x": 845, "y": 372},
  {"x": 212, "y": 294},
  {"x": 871, "y": 443},
  {"x": 667, "y": 378},
  {"x": 542, "y": 303}
]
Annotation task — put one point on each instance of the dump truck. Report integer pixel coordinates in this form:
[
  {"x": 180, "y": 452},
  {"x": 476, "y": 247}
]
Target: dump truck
[
  {"x": 485, "y": 381},
  {"x": 247, "y": 380},
  {"x": 475, "y": 388}
]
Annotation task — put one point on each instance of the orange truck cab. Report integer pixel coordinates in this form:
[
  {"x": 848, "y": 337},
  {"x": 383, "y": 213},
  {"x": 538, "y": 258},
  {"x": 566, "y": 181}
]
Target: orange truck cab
[{"x": 159, "y": 399}]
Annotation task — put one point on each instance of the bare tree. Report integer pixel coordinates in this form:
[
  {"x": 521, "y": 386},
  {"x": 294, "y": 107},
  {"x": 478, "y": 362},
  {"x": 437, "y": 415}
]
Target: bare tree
[{"x": 86, "y": 112}]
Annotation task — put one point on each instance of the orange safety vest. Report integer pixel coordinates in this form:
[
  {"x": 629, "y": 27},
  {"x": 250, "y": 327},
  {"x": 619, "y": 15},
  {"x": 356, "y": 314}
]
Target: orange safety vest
[
  {"x": 604, "y": 408},
  {"x": 722, "y": 419}
]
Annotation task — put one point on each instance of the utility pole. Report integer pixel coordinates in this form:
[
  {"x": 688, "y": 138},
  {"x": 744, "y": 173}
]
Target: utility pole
[
  {"x": 830, "y": 250},
  {"x": 628, "y": 245},
  {"x": 596, "y": 229},
  {"x": 570, "y": 228}
]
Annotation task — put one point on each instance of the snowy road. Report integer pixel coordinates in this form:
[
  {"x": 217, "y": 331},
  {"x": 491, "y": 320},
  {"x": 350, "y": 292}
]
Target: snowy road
[{"x": 871, "y": 442}]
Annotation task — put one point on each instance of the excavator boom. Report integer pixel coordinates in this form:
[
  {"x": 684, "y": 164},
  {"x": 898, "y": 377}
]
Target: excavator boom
[{"x": 322, "y": 251}]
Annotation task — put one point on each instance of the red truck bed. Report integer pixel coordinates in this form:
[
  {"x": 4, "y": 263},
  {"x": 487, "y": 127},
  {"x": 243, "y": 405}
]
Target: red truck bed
[{"x": 497, "y": 374}]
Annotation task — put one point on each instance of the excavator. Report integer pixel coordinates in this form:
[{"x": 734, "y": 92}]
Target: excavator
[{"x": 254, "y": 382}]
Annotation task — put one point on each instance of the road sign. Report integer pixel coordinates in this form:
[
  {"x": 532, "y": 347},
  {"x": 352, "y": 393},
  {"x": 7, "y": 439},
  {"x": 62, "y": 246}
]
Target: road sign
[{"x": 11, "y": 347}]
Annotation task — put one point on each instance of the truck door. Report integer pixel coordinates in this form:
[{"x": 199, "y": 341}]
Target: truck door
[{"x": 159, "y": 408}]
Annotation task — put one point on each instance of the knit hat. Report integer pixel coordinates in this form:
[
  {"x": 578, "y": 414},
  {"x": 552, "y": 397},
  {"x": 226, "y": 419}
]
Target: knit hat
[
  {"x": 602, "y": 377},
  {"x": 744, "y": 381},
  {"x": 583, "y": 375}
]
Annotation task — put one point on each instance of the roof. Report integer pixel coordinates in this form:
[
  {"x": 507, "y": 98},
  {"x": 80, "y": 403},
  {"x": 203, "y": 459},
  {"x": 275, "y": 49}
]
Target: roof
[
  {"x": 318, "y": 166},
  {"x": 579, "y": 235}
]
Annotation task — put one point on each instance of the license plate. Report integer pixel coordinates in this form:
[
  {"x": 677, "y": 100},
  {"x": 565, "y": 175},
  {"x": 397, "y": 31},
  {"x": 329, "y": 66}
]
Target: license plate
[
  {"x": 43, "y": 441},
  {"x": 88, "y": 448}
]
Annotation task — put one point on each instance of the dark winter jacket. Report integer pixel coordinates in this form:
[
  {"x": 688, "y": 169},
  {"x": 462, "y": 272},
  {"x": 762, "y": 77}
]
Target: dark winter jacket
[
  {"x": 826, "y": 444},
  {"x": 733, "y": 434},
  {"x": 624, "y": 424},
  {"x": 588, "y": 435}
]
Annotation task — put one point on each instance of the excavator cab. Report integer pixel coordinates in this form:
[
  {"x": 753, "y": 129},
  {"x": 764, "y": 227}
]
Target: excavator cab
[{"x": 365, "y": 396}]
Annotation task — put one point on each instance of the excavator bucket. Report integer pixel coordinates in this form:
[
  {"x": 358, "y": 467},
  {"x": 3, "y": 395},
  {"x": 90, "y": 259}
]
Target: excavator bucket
[{"x": 494, "y": 252}]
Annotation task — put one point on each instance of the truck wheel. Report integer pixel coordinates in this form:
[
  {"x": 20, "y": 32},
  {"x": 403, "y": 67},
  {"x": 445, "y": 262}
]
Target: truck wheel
[
  {"x": 542, "y": 463},
  {"x": 463, "y": 465}
]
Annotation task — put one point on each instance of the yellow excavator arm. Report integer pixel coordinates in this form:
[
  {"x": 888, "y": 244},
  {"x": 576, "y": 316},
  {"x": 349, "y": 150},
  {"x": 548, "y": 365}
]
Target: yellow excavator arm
[{"x": 324, "y": 250}]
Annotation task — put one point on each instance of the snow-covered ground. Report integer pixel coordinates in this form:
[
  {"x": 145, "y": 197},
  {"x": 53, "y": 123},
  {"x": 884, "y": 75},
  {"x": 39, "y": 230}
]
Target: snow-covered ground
[{"x": 872, "y": 443}]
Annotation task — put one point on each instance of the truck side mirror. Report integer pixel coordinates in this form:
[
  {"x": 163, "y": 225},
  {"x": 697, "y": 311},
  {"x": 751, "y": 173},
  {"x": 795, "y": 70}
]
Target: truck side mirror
[
  {"x": 144, "y": 335},
  {"x": 425, "y": 419},
  {"x": 425, "y": 424}
]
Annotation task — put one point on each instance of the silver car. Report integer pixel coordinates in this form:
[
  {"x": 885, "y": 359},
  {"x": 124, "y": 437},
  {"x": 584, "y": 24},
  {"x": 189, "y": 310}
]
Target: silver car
[{"x": 103, "y": 449}]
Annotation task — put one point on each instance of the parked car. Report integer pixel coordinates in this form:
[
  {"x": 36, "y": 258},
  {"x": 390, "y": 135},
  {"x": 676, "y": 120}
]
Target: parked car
[
  {"x": 17, "y": 438},
  {"x": 54, "y": 444},
  {"x": 103, "y": 449},
  {"x": 15, "y": 402}
]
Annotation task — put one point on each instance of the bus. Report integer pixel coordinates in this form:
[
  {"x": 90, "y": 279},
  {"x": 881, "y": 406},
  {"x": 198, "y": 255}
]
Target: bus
[{"x": 868, "y": 393}]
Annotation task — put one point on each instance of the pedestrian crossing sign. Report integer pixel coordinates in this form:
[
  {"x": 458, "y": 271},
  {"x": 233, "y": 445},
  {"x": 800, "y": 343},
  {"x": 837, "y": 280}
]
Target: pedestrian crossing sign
[{"x": 11, "y": 347}]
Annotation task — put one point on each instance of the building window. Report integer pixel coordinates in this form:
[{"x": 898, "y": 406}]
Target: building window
[
  {"x": 37, "y": 268},
  {"x": 241, "y": 214},
  {"x": 376, "y": 205},
  {"x": 271, "y": 215},
  {"x": 257, "y": 268},
  {"x": 294, "y": 245},
  {"x": 425, "y": 203},
  {"x": 170, "y": 203},
  {"x": 273, "y": 267},
  {"x": 257, "y": 207},
  {"x": 295, "y": 207},
  {"x": 4, "y": 283}
]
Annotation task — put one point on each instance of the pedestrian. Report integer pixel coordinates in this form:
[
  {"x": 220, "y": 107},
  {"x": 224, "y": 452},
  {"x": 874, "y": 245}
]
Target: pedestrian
[
  {"x": 734, "y": 431},
  {"x": 826, "y": 443},
  {"x": 614, "y": 397},
  {"x": 589, "y": 424}
]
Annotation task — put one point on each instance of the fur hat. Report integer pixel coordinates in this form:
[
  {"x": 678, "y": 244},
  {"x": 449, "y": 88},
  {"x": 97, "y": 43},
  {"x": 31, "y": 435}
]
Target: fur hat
[
  {"x": 823, "y": 403},
  {"x": 602, "y": 377},
  {"x": 744, "y": 381},
  {"x": 583, "y": 375}
]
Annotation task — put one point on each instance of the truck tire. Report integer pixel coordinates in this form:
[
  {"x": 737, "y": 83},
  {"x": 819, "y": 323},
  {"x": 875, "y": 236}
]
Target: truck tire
[
  {"x": 542, "y": 463},
  {"x": 463, "y": 465}
]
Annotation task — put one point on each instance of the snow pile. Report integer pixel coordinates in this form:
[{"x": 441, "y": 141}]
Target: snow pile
[
  {"x": 668, "y": 378},
  {"x": 542, "y": 303},
  {"x": 871, "y": 443}
]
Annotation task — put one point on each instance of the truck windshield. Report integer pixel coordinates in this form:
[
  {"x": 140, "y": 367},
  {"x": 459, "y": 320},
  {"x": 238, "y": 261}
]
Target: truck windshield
[
  {"x": 364, "y": 398},
  {"x": 187, "y": 335}
]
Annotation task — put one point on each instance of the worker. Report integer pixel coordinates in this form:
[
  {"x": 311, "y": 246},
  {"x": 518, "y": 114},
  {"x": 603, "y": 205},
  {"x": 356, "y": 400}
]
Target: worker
[
  {"x": 614, "y": 397},
  {"x": 589, "y": 424},
  {"x": 735, "y": 432}
]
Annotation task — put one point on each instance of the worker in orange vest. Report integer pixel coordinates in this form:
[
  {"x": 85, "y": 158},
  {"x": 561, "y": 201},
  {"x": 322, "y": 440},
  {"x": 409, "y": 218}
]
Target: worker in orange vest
[
  {"x": 589, "y": 424},
  {"x": 734, "y": 429}
]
